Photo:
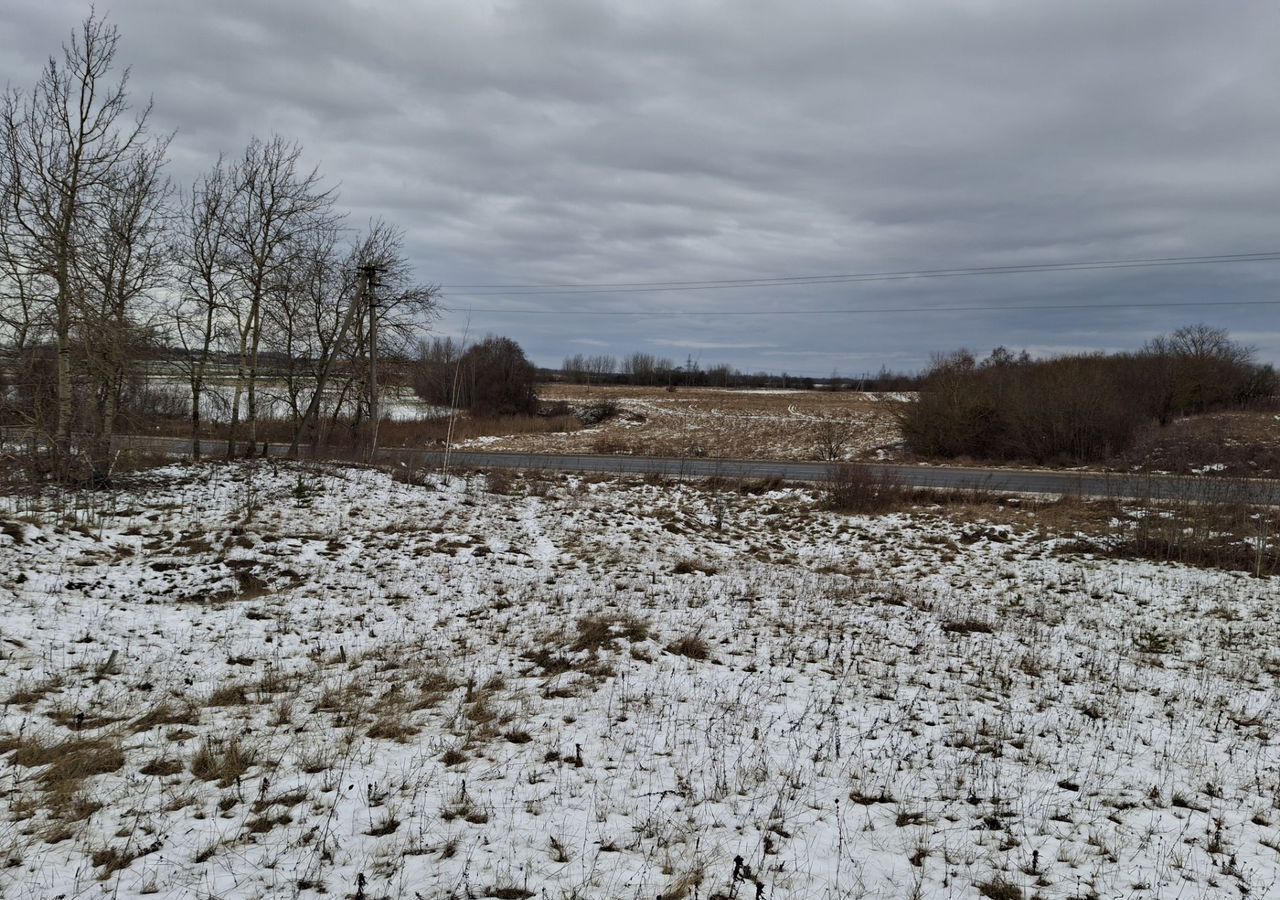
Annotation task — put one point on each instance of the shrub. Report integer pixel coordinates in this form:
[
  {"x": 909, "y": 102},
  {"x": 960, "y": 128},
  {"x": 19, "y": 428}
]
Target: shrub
[
  {"x": 491, "y": 378},
  {"x": 598, "y": 412},
  {"x": 852, "y": 488},
  {"x": 1077, "y": 408}
]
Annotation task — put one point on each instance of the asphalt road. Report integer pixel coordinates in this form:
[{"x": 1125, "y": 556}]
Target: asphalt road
[{"x": 1000, "y": 480}]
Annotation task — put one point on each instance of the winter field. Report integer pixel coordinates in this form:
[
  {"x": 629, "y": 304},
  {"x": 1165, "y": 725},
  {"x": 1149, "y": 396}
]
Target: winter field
[
  {"x": 717, "y": 422},
  {"x": 263, "y": 681}
]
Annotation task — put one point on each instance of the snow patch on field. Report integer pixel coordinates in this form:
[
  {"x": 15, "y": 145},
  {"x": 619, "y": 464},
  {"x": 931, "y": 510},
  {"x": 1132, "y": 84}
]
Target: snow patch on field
[{"x": 588, "y": 689}]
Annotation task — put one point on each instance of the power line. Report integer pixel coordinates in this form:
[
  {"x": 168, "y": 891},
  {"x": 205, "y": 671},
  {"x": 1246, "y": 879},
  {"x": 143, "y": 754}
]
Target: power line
[
  {"x": 865, "y": 310},
  {"x": 626, "y": 287}
]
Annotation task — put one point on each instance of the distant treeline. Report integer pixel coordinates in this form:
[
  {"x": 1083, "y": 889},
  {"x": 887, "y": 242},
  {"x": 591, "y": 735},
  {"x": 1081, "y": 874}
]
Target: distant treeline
[
  {"x": 1078, "y": 407},
  {"x": 647, "y": 369}
]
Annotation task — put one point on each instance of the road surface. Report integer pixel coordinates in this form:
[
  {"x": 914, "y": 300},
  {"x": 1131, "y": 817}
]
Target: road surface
[{"x": 1000, "y": 480}]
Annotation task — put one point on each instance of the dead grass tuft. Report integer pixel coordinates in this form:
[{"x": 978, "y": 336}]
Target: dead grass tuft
[
  {"x": 600, "y": 631},
  {"x": 222, "y": 761},
  {"x": 69, "y": 761},
  {"x": 967, "y": 626},
  {"x": 161, "y": 766},
  {"x": 230, "y": 694},
  {"x": 28, "y": 693},
  {"x": 165, "y": 713},
  {"x": 394, "y": 726},
  {"x": 66, "y": 766},
  {"x": 690, "y": 566},
  {"x": 113, "y": 859},
  {"x": 692, "y": 646},
  {"x": 999, "y": 889}
]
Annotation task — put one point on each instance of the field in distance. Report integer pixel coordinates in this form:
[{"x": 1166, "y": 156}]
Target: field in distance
[{"x": 714, "y": 422}]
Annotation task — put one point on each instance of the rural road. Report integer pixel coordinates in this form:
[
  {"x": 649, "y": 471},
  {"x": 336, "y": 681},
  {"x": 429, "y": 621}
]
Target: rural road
[{"x": 1024, "y": 481}]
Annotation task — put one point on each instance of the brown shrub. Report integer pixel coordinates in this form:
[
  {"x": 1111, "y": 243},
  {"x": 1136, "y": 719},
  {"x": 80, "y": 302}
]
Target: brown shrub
[{"x": 852, "y": 488}]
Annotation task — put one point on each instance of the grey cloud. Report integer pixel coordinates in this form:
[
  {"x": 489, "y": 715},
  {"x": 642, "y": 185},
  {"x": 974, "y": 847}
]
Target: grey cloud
[{"x": 636, "y": 140}]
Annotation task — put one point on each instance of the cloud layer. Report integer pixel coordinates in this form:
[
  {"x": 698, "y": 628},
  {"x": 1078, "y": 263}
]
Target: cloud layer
[{"x": 570, "y": 141}]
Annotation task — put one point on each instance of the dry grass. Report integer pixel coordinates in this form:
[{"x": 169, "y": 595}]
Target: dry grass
[
  {"x": 603, "y": 630},
  {"x": 222, "y": 761},
  {"x": 32, "y": 692},
  {"x": 406, "y": 433},
  {"x": 1215, "y": 527},
  {"x": 113, "y": 859},
  {"x": 425, "y": 432},
  {"x": 165, "y": 713},
  {"x": 691, "y": 566},
  {"x": 232, "y": 693},
  {"x": 1243, "y": 443},
  {"x": 714, "y": 423},
  {"x": 999, "y": 889},
  {"x": 394, "y": 725},
  {"x": 692, "y": 646},
  {"x": 161, "y": 766},
  {"x": 65, "y": 766},
  {"x": 74, "y": 759},
  {"x": 852, "y": 488}
]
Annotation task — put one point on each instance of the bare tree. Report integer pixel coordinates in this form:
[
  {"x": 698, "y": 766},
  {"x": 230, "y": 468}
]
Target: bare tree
[
  {"x": 274, "y": 205},
  {"x": 118, "y": 271},
  {"x": 373, "y": 285},
  {"x": 434, "y": 374},
  {"x": 1203, "y": 368},
  {"x": 197, "y": 316},
  {"x": 23, "y": 332},
  {"x": 62, "y": 148},
  {"x": 832, "y": 437}
]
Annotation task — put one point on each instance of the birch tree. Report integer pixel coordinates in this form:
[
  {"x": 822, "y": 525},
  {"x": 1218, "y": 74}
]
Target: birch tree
[{"x": 62, "y": 147}]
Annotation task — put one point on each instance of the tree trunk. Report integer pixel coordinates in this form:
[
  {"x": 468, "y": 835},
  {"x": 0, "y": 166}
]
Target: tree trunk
[
  {"x": 239, "y": 392},
  {"x": 62, "y": 431},
  {"x": 195, "y": 419},
  {"x": 255, "y": 319},
  {"x": 101, "y": 475}
]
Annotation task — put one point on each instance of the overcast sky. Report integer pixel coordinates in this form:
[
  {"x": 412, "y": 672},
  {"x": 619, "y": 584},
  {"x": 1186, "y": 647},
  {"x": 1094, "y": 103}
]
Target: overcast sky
[{"x": 603, "y": 141}]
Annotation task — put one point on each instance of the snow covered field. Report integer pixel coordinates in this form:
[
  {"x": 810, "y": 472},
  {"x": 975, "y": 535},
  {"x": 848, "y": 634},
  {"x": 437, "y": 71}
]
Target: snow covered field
[{"x": 276, "y": 681}]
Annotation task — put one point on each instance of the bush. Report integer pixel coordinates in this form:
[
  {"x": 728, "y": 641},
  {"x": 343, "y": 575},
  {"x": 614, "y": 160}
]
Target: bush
[
  {"x": 852, "y": 488},
  {"x": 598, "y": 412},
  {"x": 492, "y": 378},
  {"x": 1076, "y": 408}
]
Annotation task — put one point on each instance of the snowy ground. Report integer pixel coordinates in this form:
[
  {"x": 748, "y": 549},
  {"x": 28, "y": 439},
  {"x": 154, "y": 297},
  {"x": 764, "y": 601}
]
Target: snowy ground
[{"x": 274, "y": 681}]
